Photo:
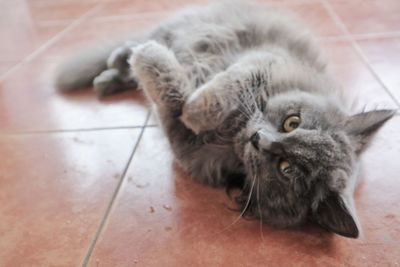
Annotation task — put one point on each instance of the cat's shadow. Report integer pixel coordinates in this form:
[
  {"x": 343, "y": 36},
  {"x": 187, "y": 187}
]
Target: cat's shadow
[
  {"x": 207, "y": 209},
  {"x": 88, "y": 95}
]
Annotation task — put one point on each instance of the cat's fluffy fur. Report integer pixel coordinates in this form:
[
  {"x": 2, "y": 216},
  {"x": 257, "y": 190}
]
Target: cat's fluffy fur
[{"x": 224, "y": 79}]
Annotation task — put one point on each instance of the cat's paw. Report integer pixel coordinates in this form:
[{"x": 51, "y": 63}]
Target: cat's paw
[
  {"x": 111, "y": 81},
  {"x": 118, "y": 58},
  {"x": 202, "y": 112},
  {"x": 151, "y": 58},
  {"x": 159, "y": 72}
]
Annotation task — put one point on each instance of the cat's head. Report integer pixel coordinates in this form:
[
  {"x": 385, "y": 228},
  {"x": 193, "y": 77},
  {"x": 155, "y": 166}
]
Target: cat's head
[{"x": 300, "y": 152}]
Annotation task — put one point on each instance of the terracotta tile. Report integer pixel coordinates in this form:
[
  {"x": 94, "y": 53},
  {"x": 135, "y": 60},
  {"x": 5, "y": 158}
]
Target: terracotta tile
[
  {"x": 314, "y": 15},
  {"x": 162, "y": 218},
  {"x": 54, "y": 190},
  {"x": 48, "y": 10},
  {"x": 6, "y": 65},
  {"x": 29, "y": 102},
  {"x": 287, "y": 2},
  {"x": 312, "y": 12},
  {"x": 356, "y": 81},
  {"x": 122, "y": 19},
  {"x": 100, "y": 32},
  {"x": 370, "y": 16},
  {"x": 134, "y": 7},
  {"x": 378, "y": 198},
  {"x": 384, "y": 57},
  {"x": 20, "y": 33}
]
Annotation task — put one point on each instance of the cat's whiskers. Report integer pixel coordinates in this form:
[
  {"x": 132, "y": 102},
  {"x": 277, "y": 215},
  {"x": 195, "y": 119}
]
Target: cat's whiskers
[
  {"x": 249, "y": 103},
  {"x": 244, "y": 209},
  {"x": 245, "y": 108},
  {"x": 244, "y": 112},
  {"x": 259, "y": 207}
]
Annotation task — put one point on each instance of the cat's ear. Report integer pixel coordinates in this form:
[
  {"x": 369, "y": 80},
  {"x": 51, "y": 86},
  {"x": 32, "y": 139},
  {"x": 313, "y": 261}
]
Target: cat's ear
[
  {"x": 361, "y": 127},
  {"x": 336, "y": 214}
]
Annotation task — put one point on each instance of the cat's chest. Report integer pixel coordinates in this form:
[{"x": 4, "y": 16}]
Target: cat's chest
[
  {"x": 201, "y": 67},
  {"x": 204, "y": 53}
]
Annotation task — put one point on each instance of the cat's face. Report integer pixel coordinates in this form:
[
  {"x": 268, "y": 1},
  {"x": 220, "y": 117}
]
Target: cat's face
[{"x": 300, "y": 152}]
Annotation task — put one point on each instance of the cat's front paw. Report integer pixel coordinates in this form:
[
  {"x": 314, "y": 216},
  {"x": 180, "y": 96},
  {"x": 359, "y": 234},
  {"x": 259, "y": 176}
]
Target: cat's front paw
[
  {"x": 202, "y": 112},
  {"x": 163, "y": 78},
  {"x": 151, "y": 59}
]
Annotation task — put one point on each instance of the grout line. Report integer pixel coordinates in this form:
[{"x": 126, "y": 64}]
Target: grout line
[
  {"x": 376, "y": 35},
  {"x": 56, "y": 131},
  {"x": 74, "y": 130},
  {"x": 113, "y": 198},
  {"x": 135, "y": 16},
  {"x": 340, "y": 24},
  {"x": 50, "y": 42},
  {"x": 61, "y": 34},
  {"x": 361, "y": 36},
  {"x": 11, "y": 70}
]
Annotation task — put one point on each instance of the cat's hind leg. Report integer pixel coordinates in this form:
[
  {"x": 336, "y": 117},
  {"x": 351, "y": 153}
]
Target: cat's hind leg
[{"x": 118, "y": 76}]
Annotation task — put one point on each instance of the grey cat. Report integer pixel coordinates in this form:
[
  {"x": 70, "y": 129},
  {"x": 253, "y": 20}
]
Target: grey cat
[{"x": 244, "y": 98}]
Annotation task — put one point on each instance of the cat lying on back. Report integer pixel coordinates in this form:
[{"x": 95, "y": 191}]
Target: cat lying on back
[{"x": 241, "y": 91}]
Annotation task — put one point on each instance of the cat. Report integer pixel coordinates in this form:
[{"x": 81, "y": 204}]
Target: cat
[{"x": 243, "y": 96}]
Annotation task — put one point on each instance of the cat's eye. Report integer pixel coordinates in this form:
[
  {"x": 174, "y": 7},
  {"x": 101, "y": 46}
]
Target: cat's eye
[
  {"x": 285, "y": 167},
  {"x": 291, "y": 123}
]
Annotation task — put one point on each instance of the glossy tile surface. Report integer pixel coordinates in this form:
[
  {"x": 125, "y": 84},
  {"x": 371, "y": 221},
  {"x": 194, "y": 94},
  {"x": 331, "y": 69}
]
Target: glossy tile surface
[
  {"x": 162, "y": 218},
  {"x": 371, "y": 16},
  {"x": 65, "y": 200},
  {"x": 54, "y": 191},
  {"x": 354, "y": 77},
  {"x": 29, "y": 102},
  {"x": 383, "y": 54},
  {"x": 314, "y": 15}
]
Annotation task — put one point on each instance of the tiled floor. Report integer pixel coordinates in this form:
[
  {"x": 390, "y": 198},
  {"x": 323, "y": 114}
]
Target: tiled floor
[{"x": 89, "y": 182}]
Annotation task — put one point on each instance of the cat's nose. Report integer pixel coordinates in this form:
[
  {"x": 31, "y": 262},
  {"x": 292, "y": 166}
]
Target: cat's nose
[
  {"x": 254, "y": 139},
  {"x": 266, "y": 141}
]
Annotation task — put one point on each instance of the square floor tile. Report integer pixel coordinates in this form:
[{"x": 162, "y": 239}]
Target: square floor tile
[
  {"x": 6, "y": 66},
  {"x": 30, "y": 102},
  {"x": 384, "y": 57},
  {"x": 371, "y": 16},
  {"x": 357, "y": 83},
  {"x": 135, "y": 7},
  {"x": 20, "y": 34},
  {"x": 54, "y": 190},
  {"x": 60, "y": 10},
  {"x": 100, "y": 32},
  {"x": 315, "y": 17}
]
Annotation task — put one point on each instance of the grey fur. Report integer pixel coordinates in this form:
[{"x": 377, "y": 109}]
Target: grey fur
[
  {"x": 218, "y": 75},
  {"x": 79, "y": 71}
]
